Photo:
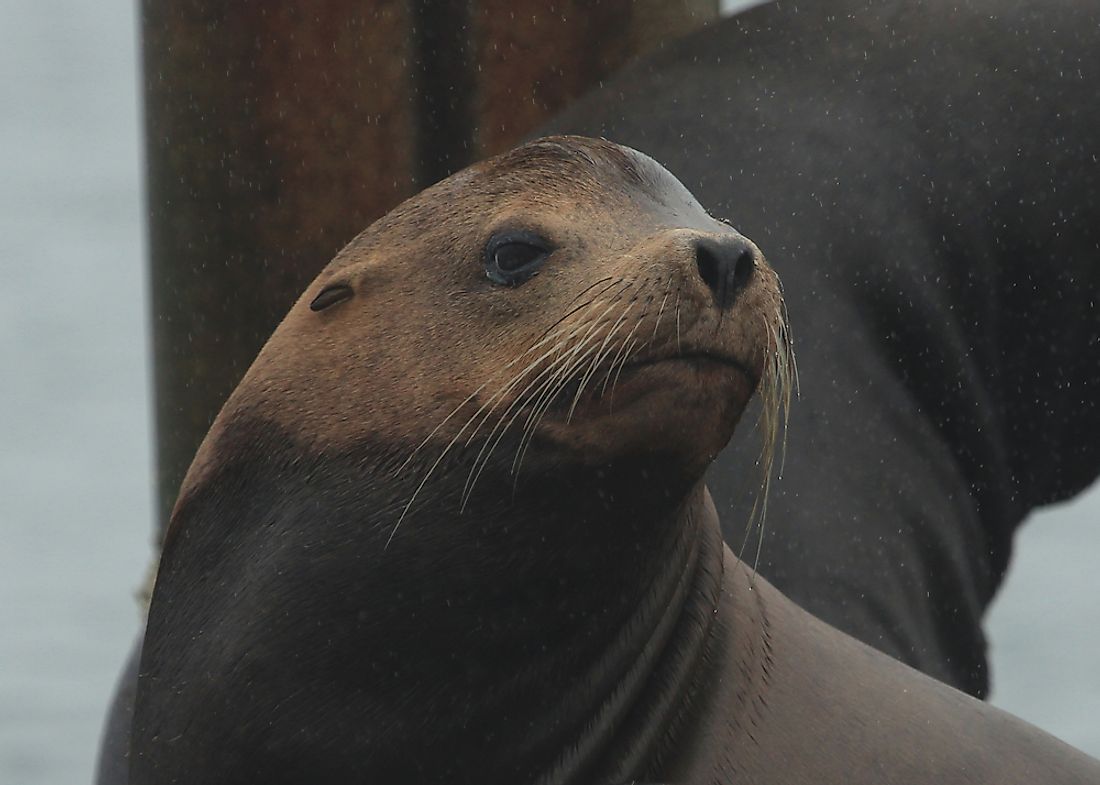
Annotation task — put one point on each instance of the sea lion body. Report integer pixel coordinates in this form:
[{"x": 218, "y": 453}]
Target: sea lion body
[
  {"x": 924, "y": 177},
  {"x": 452, "y": 525},
  {"x": 812, "y": 705},
  {"x": 789, "y": 699}
]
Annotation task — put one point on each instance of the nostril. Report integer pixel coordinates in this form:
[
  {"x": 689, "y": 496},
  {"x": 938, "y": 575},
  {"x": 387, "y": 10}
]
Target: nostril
[
  {"x": 726, "y": 266},
  {"x": 710, "y": 266},
  {"x": 743, "y": 268}
]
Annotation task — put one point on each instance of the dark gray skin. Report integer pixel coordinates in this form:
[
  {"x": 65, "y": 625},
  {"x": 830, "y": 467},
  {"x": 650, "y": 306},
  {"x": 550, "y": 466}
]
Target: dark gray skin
[{"x": 924, "y": 177}]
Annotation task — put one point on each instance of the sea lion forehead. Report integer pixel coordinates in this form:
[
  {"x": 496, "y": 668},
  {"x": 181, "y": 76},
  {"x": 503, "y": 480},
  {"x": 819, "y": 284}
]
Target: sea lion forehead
[
  {"x": 595, "y": 165},
  {"x": 558, "y": 174}
]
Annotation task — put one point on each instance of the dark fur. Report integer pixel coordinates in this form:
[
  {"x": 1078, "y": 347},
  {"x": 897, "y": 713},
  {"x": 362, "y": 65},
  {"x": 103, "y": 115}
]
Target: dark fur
[
  {"x": 924, "y": 177},
  {"x": 319, "y": 636}
]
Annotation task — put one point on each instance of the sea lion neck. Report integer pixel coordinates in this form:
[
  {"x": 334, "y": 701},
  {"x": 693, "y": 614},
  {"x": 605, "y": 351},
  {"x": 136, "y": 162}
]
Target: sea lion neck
[
  {"x": 665, "y": 703},
  {"x": 541, "y": 645},
  {"x": 603, "y": 632}
]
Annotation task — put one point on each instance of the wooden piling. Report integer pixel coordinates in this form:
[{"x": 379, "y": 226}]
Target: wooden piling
[{"x": 277, "y": 131}]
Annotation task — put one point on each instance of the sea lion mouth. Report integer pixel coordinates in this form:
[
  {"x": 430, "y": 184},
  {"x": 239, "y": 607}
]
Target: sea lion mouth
[
  {"x": 698, "y": 358},
  {"x": 575, "y": 395}
]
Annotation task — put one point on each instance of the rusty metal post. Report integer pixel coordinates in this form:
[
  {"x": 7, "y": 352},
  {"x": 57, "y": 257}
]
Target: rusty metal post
[{"x": 276, "y": 131}]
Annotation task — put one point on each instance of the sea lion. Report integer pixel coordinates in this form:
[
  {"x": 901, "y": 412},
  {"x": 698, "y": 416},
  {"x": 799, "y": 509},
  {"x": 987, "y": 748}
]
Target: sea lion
[
  {"x": 452, "y": 525},
  {"x": 925, "y": 177}
]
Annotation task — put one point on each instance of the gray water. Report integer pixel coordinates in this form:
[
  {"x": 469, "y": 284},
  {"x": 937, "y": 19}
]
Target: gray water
[{"x": 75, "y": 478}]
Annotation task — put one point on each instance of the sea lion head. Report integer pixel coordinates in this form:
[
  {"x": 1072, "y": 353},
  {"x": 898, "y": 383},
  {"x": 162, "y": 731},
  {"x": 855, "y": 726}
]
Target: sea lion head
[{"x": 568, "y": 303}]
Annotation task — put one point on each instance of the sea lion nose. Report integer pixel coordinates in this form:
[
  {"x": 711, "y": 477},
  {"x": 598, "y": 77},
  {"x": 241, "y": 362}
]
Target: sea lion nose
[{"x": 726, "y": 265}]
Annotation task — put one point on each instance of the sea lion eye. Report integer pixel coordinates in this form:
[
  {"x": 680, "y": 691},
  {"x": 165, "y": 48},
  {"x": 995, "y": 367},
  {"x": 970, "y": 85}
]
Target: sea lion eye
[
  {"x": 330, "y": 295},
  {"x": 513, "y": 257}
]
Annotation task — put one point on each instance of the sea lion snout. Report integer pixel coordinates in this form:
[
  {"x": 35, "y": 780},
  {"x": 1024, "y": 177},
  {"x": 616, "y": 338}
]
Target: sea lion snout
[{"x": 726, "y": 264}]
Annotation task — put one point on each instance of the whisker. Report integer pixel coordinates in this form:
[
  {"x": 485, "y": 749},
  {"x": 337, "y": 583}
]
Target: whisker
[
  {"x": 775, "y": 412},
  {"x": 562, "y": 362},
  {"x": 546, "y": 378},
  {"x": 633, "y": 344},
  {"x": 586, "y": 304},
  {"x": 545, "y": 400},
  {"x": 435, "y": 430},
  {"x": 550, "y": 391},
  {"x": 487, "y": 448},
  {"x": 547, "y": 335},
  {"x": 600, "y": 355},
  {"x": 661, "y": 310},
  {"x": 504, "y": 390},
  {"x": 546, "y": 392},
  {"x": 679, "y": 348},
  {"x": 622, "y": 347}
]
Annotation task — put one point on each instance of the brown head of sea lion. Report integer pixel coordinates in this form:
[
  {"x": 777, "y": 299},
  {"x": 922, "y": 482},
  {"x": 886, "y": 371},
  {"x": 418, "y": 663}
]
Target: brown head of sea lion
[{"x": 447, "y": 528}]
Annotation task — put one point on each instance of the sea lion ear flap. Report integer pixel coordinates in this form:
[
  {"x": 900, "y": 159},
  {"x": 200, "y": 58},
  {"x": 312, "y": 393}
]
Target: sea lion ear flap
[{"x": 331, "y": 295}]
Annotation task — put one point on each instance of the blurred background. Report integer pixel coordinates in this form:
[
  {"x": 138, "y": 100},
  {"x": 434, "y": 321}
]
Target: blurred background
[{"x": 76, "y": 476}]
